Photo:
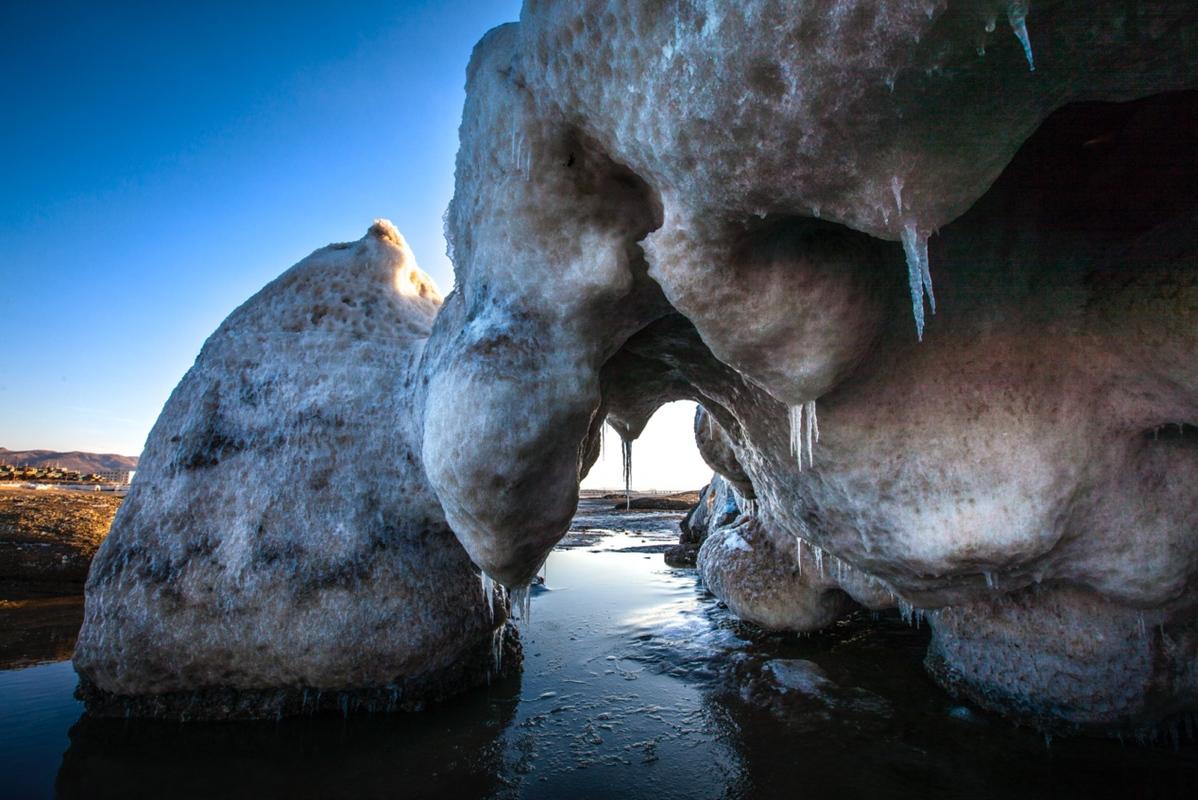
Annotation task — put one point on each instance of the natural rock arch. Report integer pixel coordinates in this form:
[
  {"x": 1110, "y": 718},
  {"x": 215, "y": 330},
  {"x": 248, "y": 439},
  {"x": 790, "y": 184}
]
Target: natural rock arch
[{"x": 742, "y": 204}]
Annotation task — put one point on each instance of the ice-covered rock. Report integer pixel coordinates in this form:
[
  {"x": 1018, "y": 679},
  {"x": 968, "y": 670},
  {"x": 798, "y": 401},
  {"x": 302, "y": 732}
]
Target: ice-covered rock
[
  {"x": 739, "y": 204},
  {"x": 718, "y": 505},
  {"x": 772, "y": 589},
  {"x": 281, "y": 551}
]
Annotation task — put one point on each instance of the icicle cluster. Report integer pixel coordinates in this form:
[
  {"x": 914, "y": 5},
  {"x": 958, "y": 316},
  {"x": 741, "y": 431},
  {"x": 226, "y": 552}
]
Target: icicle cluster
[
  {"x": 804, "y": 432},
  {"x": 520, "y": 598},
  {"x": 919, "y": 275},
  {"x": 910, "y": 614},
  {"x": 626, "y": 445}
]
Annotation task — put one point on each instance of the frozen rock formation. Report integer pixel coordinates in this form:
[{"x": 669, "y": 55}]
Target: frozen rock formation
[
  {"x": 281, "y": 551},
  {"x": 717, "y": 507},
  {"x": 743, "y": 204},
  {"x": 735, "y": 203}
]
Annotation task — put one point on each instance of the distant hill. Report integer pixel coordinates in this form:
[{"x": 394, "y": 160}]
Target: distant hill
[{"x": 74, "y": 460}]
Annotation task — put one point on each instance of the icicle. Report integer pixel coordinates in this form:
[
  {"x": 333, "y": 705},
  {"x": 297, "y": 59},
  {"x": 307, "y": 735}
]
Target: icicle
[
  {"x": 796, "y": 433},
  {"x": 520, "y": 598},
  {"x": 919, "y": 276},
  {"x": 906, "y": 611},
  {"x": 812, "y": 432},
  {"x": 626, "y": 445},
  {"x": 991, "y": 23},
  {"x": 488, "y": 584},
  {"x": 896, "y": 188},
  {"x": 819, "y": 560},
  {"x": 799, "y": 553},
  {"x": 497, "y": 648},
  {"x": 1017, "y": 16},
  {"x": 991, "y": 579},
  {"x": 1142, "y": 626}
]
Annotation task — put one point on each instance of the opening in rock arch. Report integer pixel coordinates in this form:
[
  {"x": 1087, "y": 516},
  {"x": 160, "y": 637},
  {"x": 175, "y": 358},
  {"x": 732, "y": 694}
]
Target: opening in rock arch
[{"x": 664, "y": 457}]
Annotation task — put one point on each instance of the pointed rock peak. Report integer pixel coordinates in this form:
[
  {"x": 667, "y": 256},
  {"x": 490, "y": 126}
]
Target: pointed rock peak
[{"x": 384, "y": 229}]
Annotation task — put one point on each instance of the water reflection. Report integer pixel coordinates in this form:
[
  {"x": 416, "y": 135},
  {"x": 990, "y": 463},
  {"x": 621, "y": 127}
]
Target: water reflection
[
  {"x": 456, "y": 753},
  {"x": 635, "y": 684},
  {"x": 38, "y": 631}
]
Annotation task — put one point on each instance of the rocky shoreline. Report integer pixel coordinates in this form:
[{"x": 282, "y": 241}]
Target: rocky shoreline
[{"x": 48, "y": 539}]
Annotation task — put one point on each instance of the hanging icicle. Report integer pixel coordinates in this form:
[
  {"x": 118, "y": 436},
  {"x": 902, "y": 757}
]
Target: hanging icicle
[
  {"x": 626, "y": 445},
  {"x": 796, "y": 433},
  {"x": 919, "y": 275},
  {"x": 497, "y": 648},
  {"x": 488, "y": 584},
  {"x": 1017, "y": 16},
  {"x": 520, "y": 598}
]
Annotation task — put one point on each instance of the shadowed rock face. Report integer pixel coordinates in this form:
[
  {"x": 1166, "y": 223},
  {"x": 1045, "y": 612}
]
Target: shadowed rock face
[
  {"x": 281, "y": 551},
  {"x": 732, "y": 203}
]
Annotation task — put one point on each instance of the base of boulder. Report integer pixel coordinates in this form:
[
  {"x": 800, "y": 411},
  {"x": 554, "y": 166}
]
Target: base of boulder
[
  {"x": 414, "y": 693},
  {"x": 1068, "y": 661}
]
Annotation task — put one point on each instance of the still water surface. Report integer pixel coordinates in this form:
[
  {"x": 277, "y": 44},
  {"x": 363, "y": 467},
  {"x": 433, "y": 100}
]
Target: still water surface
[{"x": 635, "y": 684}]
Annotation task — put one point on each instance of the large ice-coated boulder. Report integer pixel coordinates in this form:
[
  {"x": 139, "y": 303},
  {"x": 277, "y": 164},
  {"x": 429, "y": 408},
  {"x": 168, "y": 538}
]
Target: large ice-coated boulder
[
  {"x": 281, "y": 551},
  {"x": 745, "y": 205}
]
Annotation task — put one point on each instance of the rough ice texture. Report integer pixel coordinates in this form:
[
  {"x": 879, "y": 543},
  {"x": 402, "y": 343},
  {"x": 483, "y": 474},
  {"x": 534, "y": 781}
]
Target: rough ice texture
[
  {"x": 281, "y": 551},
  {"x": 707, "y": 200}
]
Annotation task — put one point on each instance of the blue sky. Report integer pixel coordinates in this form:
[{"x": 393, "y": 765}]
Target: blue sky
[{"x": 161, "y": 161}]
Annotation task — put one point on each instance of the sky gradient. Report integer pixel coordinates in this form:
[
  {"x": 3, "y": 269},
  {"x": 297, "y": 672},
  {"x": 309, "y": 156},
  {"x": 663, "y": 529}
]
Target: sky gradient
[{"x": 161, "y": 162}]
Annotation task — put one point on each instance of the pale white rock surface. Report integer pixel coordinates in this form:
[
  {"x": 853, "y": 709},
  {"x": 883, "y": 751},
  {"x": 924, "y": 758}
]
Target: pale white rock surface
[{"x": 281, "y": 551}]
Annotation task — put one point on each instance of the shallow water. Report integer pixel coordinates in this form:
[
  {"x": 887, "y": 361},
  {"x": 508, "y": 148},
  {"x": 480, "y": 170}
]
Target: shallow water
[{"x": 635, "y": 684}]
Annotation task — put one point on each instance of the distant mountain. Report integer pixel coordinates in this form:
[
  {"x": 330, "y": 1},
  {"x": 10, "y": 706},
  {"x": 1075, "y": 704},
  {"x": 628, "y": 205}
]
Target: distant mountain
[{"x": 74, "y": 460}]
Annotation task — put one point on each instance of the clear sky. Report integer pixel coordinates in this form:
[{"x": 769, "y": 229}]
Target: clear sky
[{"x": 161, "y": 161}]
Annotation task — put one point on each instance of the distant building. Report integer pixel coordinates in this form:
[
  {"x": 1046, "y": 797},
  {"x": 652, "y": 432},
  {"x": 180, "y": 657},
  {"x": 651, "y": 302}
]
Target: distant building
[{"x": 116, "y": 475}]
